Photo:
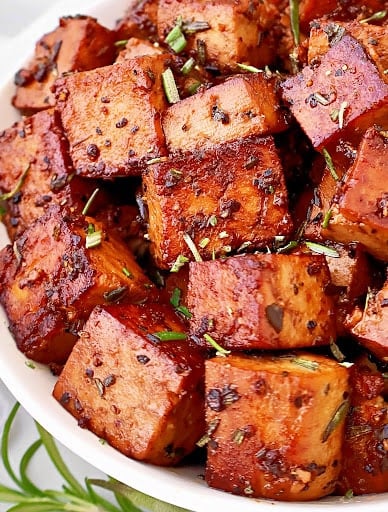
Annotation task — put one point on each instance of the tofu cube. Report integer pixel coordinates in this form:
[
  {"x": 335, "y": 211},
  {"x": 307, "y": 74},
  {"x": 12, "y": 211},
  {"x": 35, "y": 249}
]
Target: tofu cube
[
  {"x": 360, "y": 210},
  {"x": 374, "y": 39},
  {"x": 111, "y": 116},
  {"x": 52, "y": 281},
  {"x": 371, "y": 329},
  {"x": 341, "y": 94},
  {"x": 36, "y": 171},
  {"x": 233, "y": 33},
  {"x": 136, "y": 48},
  {"x": 79, "y": 43},
  {"x": 225, "y": 197},
  {"x": 275, "y": 425},
  {"x": 143, "y": 395},
  {"x": 243, "y": 105},
  {"x": 262, "y": 301},
  {"x": 365, "y": 447}
]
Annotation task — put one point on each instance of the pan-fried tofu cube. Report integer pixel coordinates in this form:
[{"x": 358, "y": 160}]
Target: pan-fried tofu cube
[
  {"x": 79, "y": 43},
  {"x": 241, "y": 106},
  {"x": 231, "y": 34},
  {"x": 374, "y": 38},
  {"x": 364, "y": 468},
  {"x": 360, "y": 211},
  {"x": 341, "y": 94},
  {"x": 111, "y": 116},
  {"x": 143, "y": 395},
  {"x": 36, "y": 171},
  {"x": 225, "y": 197},
  {"x": 262, "y": 301},
  {"x": 275, "y": 425},
  {"x": 55, "y": 273},
  {"x": 372, "y": 326}
]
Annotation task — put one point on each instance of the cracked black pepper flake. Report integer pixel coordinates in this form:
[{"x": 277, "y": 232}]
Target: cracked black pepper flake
[
  {"x": 123, "y": 122},
  {"x": 218, "y": 399},
  {"x": 143, "y": 359},
  {"x": 92, "y": 151},
  {"x": 219, "y": 115},
  {"x": 275, "y": 314}
]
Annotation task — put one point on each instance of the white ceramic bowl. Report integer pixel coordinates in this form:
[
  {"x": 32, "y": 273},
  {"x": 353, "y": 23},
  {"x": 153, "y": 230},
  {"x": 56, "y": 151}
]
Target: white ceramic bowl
[{"x": 32, "y": 387}]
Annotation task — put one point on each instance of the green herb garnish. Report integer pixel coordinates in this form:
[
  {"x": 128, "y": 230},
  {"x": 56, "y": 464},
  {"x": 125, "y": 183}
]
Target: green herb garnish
[
  {"x": 187, "y": 66},
  {"x": 326, "y": 219},
  {"x": 175, "y": 38},
  {"x": 329, "y": 163},
  {"x": 337, "y": 418},
  {"x": 175, "y": 302},
  {"x": 170, "y": 335},
  {"x": 93, "y": 237},
  {"x": 247, "y": 67},
  {"x": 220, "y": 351},
  {"x": 169, "y": 86},
  {"x": 191, "y": 245},
  {"x": 379, "y": 15},
  {"x": 90, "y": 201},
  {"x": 322, "y": 249},
  {"x": 179, "y": 263},
  {"x": 306, "y": 363}
]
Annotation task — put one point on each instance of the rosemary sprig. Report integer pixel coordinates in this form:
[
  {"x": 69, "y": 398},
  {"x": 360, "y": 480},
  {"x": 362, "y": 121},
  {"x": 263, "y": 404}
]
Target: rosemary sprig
[{"x": 74, "y": 497}]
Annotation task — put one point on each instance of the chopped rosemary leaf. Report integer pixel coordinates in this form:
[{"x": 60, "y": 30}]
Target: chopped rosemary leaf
[
  {"x": 179, "y": 262},
  {"x": 204, "y": 242},
  {"x": 349, "y": 494},
  {"x": 336, "y": 419},
  {"x": 306, "y": 363},
  {"x": 379, "y": 15},
  {"x": 193, "y": 87},
  {"x": 30, "y": 364},
  {"x": 326, "y": 219},
  {"x": 322, "y": 249},
  {"x": 294, "y": 20},
  {"x": 247, "y": 67},
  {"x": 90, "y": 201},
  {"x": 220, "y": 351},
  {"x": 335, "y": 350},
  {"x": 17, "y": 187},
  {"x": 93, "y": 239},
  {"x": 175, "y": 297},
  {"x": 116, "y": 294},
  {"x": 288, "y": 247},
  {"x": 184, "y": 311},
  {"x": 170, "y": 87},
  {"x": 192, "y": 247},
  {"x": 127, "y": 273},
  {"x": 329, "y": 163},
  {"x": 187, "y": 66},
  {"x": 121, "y": 42},
  {"x": 176, "y": 39},
  {"x": 170, "y": 335},
  {"x": 191, "y": 27}
]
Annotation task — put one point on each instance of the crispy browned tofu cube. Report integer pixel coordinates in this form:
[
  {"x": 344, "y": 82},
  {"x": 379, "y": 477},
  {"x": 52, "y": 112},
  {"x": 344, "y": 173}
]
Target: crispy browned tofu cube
[
  {"x": 137, "y": 47},
  {"x": 139, "y": 20},
  {"x": 360, "y": 210},
  {"x": 141, "y": 394},
  {"x": 275, "y": 425},
  {"x": 36, "y": 171},
  {"x": 372, "y": 326},
  {"x": 231, "y": 34},
  {"x": 79, "y": 43},
  {"x": 225, "y": 197},
  {"x": 111, "y": 116},
  {"x": 323, "y": 99},
  {"x": 364, "y": 468},
  {"x": 262, "y": 301},
  {"x": 54, "y": 275},
  {"x": 241, "y": 106},
  {"x": 374, "y": 38}
]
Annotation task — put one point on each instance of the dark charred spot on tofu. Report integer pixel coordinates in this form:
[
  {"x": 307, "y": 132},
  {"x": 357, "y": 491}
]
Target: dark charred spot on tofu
[
  {"x": 122, "y": 122},
  {"x": 260, "y": 387},
  {"x": 65, "y": 398},
  {"x": 92, "y": 151},
  {"x": 311, "y": 325},
  {"x": 218, "y": 399}
]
